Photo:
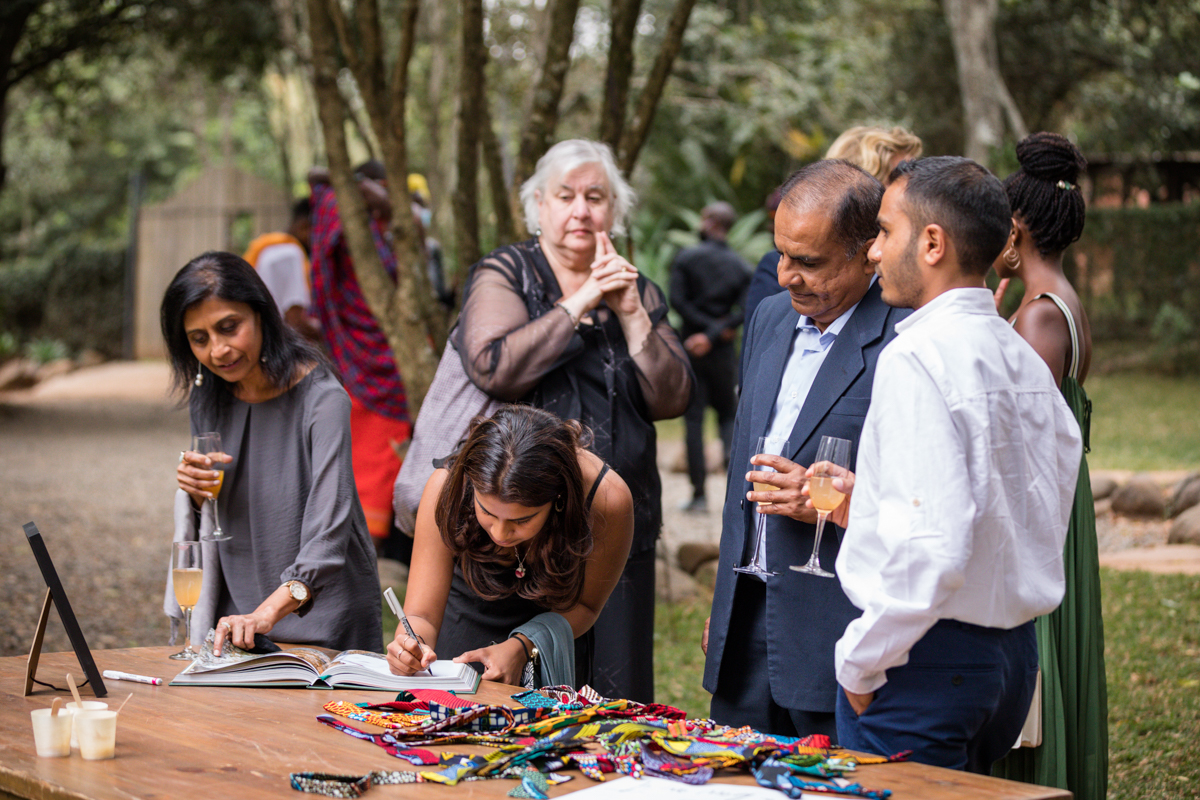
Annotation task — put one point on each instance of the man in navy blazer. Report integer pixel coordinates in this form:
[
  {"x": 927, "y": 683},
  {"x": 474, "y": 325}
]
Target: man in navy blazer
[{"x": 807, "y": 366}]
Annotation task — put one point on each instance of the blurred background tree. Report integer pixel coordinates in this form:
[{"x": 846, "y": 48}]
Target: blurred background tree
[{"x": 94, "y": 93}]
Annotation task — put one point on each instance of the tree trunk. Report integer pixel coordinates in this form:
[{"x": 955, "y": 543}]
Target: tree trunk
[
  {"x": 639, "y": 127},
  {"x": 395, "y": 306},
  {"x": 543, "y": 114},
  {"x": 620, "y": 70},
  {"x": 436, "y": 18},
  {"x": 470, "y": 112},
  {"x": 985, "y": 98},
  {"x": 493, "y": 161}
]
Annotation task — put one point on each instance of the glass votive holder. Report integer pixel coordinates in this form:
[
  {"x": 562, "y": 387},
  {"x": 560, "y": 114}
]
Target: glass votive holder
[
  {"x": 97, "y": 732},
  {"x": 51, "y": 733}
]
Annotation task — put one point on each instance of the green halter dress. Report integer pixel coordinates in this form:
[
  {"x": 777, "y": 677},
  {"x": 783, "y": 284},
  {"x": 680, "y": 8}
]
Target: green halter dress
[{"x": 1074, "y": 750}]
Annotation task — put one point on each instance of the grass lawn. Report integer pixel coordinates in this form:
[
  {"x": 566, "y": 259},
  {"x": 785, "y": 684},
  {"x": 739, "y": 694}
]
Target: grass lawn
[
  {"x": 1152, "y": 652},
  {"x": 1152, "y": 646},
  {"x": 1143, "y": 421}
]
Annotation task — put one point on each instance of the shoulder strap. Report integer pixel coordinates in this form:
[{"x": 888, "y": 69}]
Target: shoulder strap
[
  {"x": 592, "y": 494},
  {"x": 1073, "y": 370}
]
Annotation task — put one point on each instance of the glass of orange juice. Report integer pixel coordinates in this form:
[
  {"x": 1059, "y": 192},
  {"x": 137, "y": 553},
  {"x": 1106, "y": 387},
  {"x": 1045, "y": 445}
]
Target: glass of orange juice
[
  {"x": 209, "y": 444},
  {"x": 187, "y": 574}
]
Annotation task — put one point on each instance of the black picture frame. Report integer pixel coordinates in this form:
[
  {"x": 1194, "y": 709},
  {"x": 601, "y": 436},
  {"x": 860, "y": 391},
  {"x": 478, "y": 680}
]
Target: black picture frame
[{"x": 56, "y": 591}]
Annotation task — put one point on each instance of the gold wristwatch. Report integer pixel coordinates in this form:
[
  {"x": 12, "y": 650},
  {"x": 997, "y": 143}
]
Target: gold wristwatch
[{"x": 298, "y": 591}]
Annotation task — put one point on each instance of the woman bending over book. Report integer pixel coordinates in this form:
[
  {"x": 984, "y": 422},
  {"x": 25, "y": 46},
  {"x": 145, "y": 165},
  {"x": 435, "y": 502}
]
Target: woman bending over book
[
  {"x": 299, "y": 564},
  {"x": 519, "y": 541}
]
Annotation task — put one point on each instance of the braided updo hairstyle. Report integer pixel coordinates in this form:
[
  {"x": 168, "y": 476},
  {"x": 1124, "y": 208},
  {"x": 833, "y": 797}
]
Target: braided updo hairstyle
[{"x": 1044, "y": 192}]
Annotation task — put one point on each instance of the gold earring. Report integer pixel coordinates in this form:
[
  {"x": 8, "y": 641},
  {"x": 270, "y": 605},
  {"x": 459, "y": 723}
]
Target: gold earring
[{"x": 1012, "y": 259}]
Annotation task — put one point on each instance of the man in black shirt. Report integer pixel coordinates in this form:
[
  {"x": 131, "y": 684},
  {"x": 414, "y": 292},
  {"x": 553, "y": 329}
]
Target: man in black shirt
[{"x": 708, "y": 288}]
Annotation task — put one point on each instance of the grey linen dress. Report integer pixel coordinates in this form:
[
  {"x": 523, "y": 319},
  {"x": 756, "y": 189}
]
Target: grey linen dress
[{"x": 289, "y": 503}]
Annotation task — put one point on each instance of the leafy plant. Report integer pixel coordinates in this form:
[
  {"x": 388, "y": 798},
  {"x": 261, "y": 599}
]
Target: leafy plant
[
  {"x": 45, "y": 350},
  {"x": 8, "y": 346}
]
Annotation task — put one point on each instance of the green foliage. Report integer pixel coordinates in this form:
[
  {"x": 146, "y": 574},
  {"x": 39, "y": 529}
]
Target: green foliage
[
  {"x": 23, "y": 285},
  {"x": 8, "y": 346},
  {"x": 45, "y": 350},
  {"x": 1172, "y": 327},
  {"x": 756, "y": 95},
  {"x": 85, "y": 300},
  {"x": 1152, "y": 647},
  {"x": 1138, "y": 262}
]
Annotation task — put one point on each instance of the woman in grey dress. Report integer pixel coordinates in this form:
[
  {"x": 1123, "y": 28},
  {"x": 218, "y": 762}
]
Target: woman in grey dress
[{"x": 300, "y": 564}]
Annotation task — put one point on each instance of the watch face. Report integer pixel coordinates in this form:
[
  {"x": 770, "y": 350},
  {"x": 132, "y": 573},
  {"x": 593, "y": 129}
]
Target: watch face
[{"x": 298, "y": 592}]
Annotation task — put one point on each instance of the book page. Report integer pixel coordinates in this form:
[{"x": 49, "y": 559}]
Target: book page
[
  {"x": 359, "y": 660},
  {"x": 234, "y": 659}
]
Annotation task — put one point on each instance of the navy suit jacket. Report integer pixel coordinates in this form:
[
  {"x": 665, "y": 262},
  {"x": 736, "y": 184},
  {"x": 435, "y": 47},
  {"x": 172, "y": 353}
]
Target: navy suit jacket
[{"x": 806, "y": 614}]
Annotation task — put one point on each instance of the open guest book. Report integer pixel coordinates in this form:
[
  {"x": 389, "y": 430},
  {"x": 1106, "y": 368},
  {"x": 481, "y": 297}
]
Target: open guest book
[{"x": 308, "y": 667}]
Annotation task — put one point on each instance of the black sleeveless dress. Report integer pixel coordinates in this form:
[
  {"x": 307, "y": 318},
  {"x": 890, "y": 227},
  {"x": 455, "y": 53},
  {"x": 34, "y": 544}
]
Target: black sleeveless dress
[{"x": 470, "y": 622}]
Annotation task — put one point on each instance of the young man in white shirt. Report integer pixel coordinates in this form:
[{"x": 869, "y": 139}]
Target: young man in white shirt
[{"x": 966, "y": 475}]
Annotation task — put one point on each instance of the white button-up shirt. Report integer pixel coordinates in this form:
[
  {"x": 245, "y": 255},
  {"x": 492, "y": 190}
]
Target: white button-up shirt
[{"x": 966, "y": 478}]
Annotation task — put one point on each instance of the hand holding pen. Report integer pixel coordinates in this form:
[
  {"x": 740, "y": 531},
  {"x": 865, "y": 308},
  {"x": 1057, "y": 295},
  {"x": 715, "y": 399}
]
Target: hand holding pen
[{"x": 407, "y": 654}]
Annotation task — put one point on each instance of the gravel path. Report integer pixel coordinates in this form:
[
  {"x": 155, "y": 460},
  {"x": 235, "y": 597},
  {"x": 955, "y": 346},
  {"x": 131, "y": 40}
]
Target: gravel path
[{"x": 97, "y": 478}]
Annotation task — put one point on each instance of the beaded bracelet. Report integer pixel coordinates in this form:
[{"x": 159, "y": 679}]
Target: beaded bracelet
[{"x": 574, "y": 319}]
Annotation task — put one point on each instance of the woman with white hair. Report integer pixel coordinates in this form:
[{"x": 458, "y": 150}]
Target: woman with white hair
[{"x": 565, "y": 323}]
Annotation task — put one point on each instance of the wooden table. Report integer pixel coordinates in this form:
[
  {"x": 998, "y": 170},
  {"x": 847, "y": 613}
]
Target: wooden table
[{"x": 220, "y": 743}]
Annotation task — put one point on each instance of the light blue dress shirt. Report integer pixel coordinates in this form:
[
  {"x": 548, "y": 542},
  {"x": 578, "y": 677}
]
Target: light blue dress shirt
[{"x": 810, "y": 346}]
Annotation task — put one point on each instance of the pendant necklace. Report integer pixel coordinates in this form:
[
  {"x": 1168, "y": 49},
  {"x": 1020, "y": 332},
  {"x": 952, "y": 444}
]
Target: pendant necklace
[{"x": 520, "y": 570}]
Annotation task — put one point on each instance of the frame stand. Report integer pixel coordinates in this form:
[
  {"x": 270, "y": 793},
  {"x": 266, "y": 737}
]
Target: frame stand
[{"x": 35, "y": 652}]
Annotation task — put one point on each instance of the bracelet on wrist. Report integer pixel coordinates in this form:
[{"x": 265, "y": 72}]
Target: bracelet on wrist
[
  {"x": 574, "y": 319},
  {"x": 524, "y": 646}
]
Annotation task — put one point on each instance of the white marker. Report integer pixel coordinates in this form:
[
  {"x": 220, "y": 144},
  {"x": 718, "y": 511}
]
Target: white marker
[{"x": 126, "y": 676}]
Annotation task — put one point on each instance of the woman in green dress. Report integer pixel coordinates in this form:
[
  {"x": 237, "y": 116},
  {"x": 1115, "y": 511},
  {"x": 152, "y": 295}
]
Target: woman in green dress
[{"x": 1048, "y": 214}]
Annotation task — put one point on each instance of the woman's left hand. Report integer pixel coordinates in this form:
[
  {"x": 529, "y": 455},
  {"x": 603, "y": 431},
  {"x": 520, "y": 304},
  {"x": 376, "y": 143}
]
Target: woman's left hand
[
  {"x": 239, "y": 629},
  {"x": 624, "y": 299},
  {"x": 503, "y": 662}
]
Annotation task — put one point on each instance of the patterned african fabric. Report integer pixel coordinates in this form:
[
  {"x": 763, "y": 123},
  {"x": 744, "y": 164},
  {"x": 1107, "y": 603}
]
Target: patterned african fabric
[
  {"x": 596, "y": 735},
  {"x": 357, "y": 344},
  {"x": 1074, "y": 750}
]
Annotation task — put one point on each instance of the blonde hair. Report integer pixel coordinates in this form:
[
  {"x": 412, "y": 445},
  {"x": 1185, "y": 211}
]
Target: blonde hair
[{"x": 873, "y": 148}]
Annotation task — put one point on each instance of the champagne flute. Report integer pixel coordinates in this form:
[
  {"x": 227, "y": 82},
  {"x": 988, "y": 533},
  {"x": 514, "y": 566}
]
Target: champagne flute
[
  {"x": 209, "y": 444},
  {"x": 824, "y": 497},
  {"x": 186, "y": 576},
  {"x": 758, "y": 562}
]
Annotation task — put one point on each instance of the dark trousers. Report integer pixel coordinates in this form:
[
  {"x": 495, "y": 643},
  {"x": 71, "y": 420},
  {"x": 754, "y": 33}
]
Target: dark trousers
[
  {"x": 743, "y": 695},
  {"x": 716, "y": 376},
  {"x": 959, "y": 702},
  {"x": 623, "y": 664}
]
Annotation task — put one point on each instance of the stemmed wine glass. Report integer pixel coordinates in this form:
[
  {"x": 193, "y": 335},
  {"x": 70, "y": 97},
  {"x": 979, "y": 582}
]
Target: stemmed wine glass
[
  {"x": 824, "y": 497},
  {"x": 187, "y": 574},
  {"x": 758, "y": 562},
  {"x": 209, "y": 444}
]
